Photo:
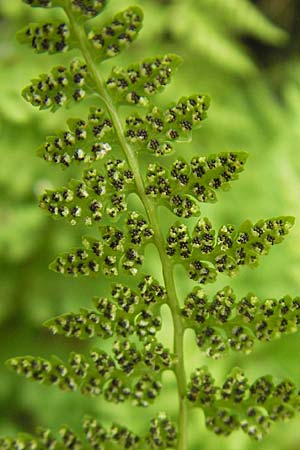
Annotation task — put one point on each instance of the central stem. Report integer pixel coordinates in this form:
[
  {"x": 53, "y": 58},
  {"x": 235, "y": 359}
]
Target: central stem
[{"x": 167, "y": 267}]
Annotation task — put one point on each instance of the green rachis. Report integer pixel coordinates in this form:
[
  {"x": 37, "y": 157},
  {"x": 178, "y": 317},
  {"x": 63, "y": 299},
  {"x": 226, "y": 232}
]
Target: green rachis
[{"x": 136, "y": 157}]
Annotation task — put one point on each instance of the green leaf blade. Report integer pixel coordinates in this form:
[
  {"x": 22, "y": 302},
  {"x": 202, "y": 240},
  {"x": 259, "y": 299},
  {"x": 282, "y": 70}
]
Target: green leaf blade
[
  {"x": 136, "y": 84},
  {"x": 238, "y": 404},
  {"x": 226, "y": 251},
  {"x": 42, "y": 3},
  {"x": 115, "y": 252},
  {"x": 84, "y": 142},
  {"x": 225, "y": 323},
  {"x": 160, "y": 128},
  {"x": 117, "y": 34},
  {"x": 98, "y": 197},
  {"x": 187, "y": 184},
  {"x": 129, "y": 374},
  {"x": 47, "y": 37},
  {"x": 62, "y": 86},
  {"x": 126, "y": 313}
]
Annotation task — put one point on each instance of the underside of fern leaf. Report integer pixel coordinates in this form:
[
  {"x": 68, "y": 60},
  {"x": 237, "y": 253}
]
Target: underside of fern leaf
[{"x": 109, "y": 152}]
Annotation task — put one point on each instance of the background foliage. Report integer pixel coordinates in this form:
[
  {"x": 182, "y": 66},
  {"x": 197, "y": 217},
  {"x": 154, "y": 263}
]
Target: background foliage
[{"x": 250, "y": 67}]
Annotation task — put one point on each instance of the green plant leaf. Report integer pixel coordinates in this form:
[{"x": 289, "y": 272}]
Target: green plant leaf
[
  {"x": 205, "y": 253},
  {"x": 129, "y": 374},
  {"x": 98, "y": 194},
  {"x": 47, "y": 37},
  {"x": 117, "y": 34},
  {"x": 84, "y": 141},
  {"x": 159, "y": 129},
  {"x": 181, "y": 187},
  {"x": 238, "y": 404},
  {"x": 225, "y": 323},
  {"x": 127, "y": 313},
  {"x": 61, "y": 87},
  {"x": 116, "y": 250},
  {"x": 162, "y": 434},
  {"x": 135, "y": 84}
]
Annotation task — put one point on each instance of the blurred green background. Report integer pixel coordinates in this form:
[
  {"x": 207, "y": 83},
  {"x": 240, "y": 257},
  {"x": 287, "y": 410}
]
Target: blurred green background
[{"x": 246, "y": 56}]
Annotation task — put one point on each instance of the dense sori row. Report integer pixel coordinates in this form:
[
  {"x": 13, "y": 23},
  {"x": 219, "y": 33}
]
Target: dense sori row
[
  {"x": 130, "y": 374},
  {"x": 220, "y": 323},
  {"x": 203, "y": 253},
  {"x": 161, "y": 434}
]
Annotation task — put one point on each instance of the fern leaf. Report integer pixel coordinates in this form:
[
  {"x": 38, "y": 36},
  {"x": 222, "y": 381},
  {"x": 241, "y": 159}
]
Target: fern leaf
[
  {"x": 83, "y": 9},
  {"x": 204, "y": 254},
  {"x": 239, "y": 404},
  {"x": 96, "y": 434},
  {"x": 123, "y": 376},
  {"x": 42, "y": 3},
  {"x": 158, "y": 129},
  {"x": 185, "y": 184},
  {"x": 84, "y": 141},
  {"x": 117, "y": 34},
  {"x": 47, "y": 37},
  {"x": 115, "y": 251},
  {"x": 133, "y": 364},
  {"x": 138, "y": 82},
  {"x": 127, "y": 313},
  {"x": 225, "y": 323},
  {"x": 161, "y": 434},
  {"x": 249, "y": 243},
  {"x": 109, "y": 41},
  {"x": 96, "y": 194},
  {"x": 61, "y": 87},
  {"x": 86, "y": 9}
]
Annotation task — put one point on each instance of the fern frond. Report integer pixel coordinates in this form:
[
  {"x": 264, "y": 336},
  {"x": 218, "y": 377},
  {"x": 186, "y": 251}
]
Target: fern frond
[
  {"x": 225, "y": 323},
  {"x": 238, "y": 404},
  {"x": 161, "y": 434},
  {"x": 134, "y": 362},
  {"x": 98, "y": 193},
  {"x": 130, "y": 374},
  {"x": 116, "y": 250},
  {"x": 128, "y": 312},
  {"x": 137, "y": 82},
  {"x": 82, "y": 9},
  {"x": 206, "y": 253},
  {"x": 181, "y": 187},
  {"x": 84, "y": 141},
  {"x": 62, "y": 86},
  {"x": 117, "y": 34},
  {"x": 158, "y": 129}
]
